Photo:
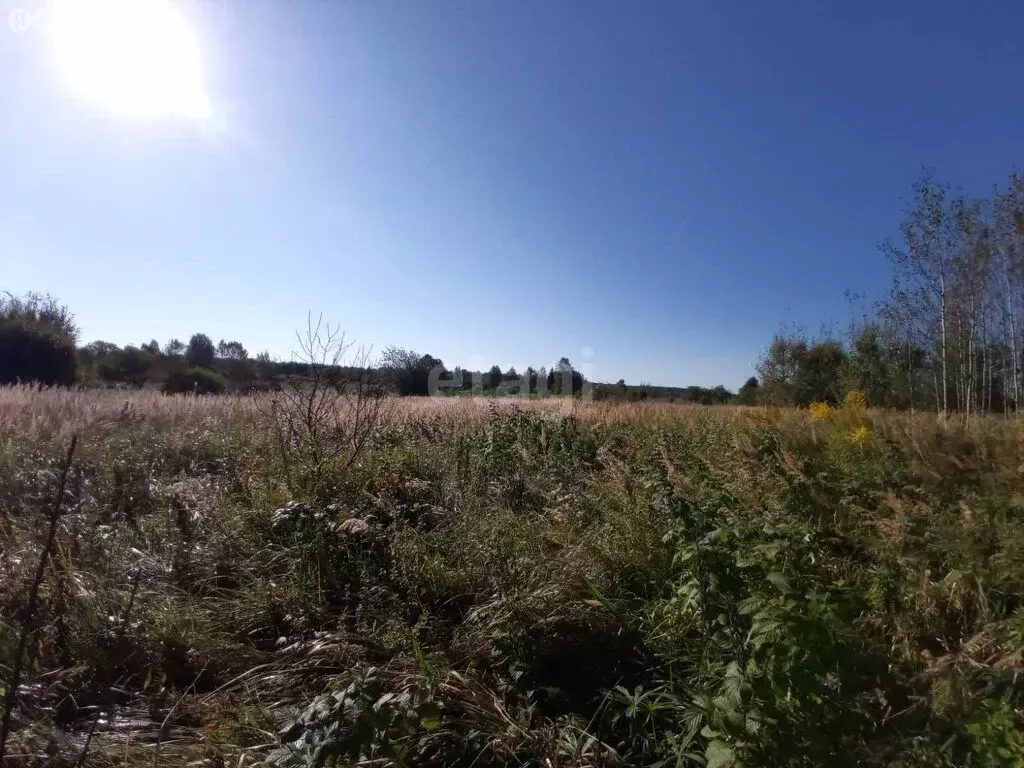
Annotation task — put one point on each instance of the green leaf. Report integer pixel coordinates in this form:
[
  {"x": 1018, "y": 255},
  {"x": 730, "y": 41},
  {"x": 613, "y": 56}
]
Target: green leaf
[
  {"x": 719, "y": 755},
  {"x": 779, "y": 581},
  {"x": 430, "y": 716}
]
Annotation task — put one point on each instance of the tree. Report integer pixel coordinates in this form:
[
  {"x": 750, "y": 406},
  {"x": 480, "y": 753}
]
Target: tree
[
  {"x": 174, "y": 348},
  {"x": 950, "y": 328},
  {"x": 401, "y": 365},
  {"x": 493, "y": 378},
  {"x": 429, "y": 370},
  {"x": 410, "y": 372},
  {"x": 37, "y": 340},
  {"x": 720, "y": 395},
  {"x": 819, "y": 374},
  {"x": 232, "y": 350},
  {"x": 531, "y": 380},
  {"x": 264, "y": 365},
  {"x": 715, "y": 396},
  {"x": 462, "y": 379},
  {"x": 948, "y": 335},
  {"x": 241, "y": 371},
  {"x": 867, "y": 369},
  {"x": 556, "y": 383},
  {"x": 130, "y": 365},
  {"x": 778, "y": 369},
  {"x": 98, "y": 349},
  {"x": 91, "y": 357},
  {"x": 510, "y": 383},
  {"x": 152, "y": 347},
  {"x": 923, "y": 274},
  {"x": 748, "y": 392},
  {"x": 200, "y": 352},
  {"x": 564, "y": 379},
  {"x": 1008, "y": 280},
  {"x": 795, "y": 373}
]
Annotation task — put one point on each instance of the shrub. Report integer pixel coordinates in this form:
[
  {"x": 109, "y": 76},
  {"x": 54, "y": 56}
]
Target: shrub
[
  {"x": 37, "y": 340},
  {"x": 199, "y": 381},
  {"x": 130, "y": 365},
  {"x": 321, "y": 424}
]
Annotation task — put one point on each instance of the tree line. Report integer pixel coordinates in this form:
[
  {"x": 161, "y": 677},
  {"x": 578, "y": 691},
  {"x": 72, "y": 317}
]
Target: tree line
[
  {"x": 947, "y": 337},
  {"x": 39, "y": 344},
  {"x": 415, "y": 374},
  {"x": 198, "y": 366},
  {"x": 410, "y": 373}
]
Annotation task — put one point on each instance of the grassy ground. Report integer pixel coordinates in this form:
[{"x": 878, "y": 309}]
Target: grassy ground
[{"x": 547, "y": 585}]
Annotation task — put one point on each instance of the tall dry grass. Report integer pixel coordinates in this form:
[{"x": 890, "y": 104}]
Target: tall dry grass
[
  {"x": 503, "y": 585},
  {"x": 64, "y": 411}
]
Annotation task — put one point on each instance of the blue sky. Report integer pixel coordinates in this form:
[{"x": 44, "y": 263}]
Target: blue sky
[{"x": 649, "y": 188}]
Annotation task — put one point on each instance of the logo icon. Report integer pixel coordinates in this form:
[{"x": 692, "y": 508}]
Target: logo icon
[{"x": 20, "y": 20}]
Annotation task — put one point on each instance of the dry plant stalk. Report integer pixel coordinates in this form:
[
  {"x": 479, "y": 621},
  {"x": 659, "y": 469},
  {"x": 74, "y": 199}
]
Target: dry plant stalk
[
  {"x": 109, "y": 693},
  {"x": 28, "y": 614}
]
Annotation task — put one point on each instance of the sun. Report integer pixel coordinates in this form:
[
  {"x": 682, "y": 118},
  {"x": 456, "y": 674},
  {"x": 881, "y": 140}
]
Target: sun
[{"x": 134, "y": 57}]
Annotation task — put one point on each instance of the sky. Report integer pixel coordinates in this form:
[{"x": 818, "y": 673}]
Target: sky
[{"x": 651, "y": 189}]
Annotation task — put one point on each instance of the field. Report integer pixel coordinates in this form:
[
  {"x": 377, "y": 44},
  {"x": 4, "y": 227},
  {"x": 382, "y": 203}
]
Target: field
[{"x": 452, "y": 582}]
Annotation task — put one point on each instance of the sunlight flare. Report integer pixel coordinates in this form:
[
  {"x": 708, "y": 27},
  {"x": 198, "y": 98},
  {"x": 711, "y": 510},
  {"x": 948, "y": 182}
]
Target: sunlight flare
[{"x": 135, "y": 57}]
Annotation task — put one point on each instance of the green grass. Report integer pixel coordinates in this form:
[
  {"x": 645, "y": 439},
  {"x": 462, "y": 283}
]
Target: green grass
[{"x": 589, "y": 586}]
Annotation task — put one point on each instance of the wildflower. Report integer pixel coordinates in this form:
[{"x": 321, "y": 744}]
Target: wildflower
[
  {"x": 860, "y": 436},
  {"x": 820, "y": 411},
  {"x": 855, "y": 400}
]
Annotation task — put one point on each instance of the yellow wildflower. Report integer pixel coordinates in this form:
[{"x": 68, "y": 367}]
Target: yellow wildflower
[
  {"x": 860, "y": 436},
  {"x": 855, "y": 400},
  {"x": 820, "y": 411}
]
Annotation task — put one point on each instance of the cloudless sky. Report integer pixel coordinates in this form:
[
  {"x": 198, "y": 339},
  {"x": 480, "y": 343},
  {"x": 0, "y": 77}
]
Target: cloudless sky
[{"x": 650, "y": 188}]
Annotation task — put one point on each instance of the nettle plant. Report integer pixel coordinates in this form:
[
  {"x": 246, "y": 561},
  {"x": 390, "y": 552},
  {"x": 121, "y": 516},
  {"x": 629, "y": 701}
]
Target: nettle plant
[
  {"x": 362, "y": 722},
  {"x": 778, "y": 673}
]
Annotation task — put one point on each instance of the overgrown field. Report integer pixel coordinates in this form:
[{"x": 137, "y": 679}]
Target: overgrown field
[{"x": 477, "y": 585}]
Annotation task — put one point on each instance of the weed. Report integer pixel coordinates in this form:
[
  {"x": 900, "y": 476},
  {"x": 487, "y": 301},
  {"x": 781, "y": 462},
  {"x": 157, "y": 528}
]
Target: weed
[{"x": 305, "y": 582}]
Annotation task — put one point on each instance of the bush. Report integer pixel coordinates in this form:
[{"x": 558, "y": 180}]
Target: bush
[
  {"x": 199, "y": 381},
  {"x": 37, "y": 341},
  {"x": 130, "y": 365}
]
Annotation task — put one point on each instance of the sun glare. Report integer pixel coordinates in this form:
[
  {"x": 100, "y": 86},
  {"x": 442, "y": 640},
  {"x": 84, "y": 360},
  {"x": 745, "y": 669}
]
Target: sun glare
[{"x": 136, "y": 57}]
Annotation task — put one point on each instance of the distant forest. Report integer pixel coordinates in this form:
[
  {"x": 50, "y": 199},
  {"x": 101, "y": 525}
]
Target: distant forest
[
  {"x": 946, "y": 338},
  {"x": 37, "y": 336}
]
